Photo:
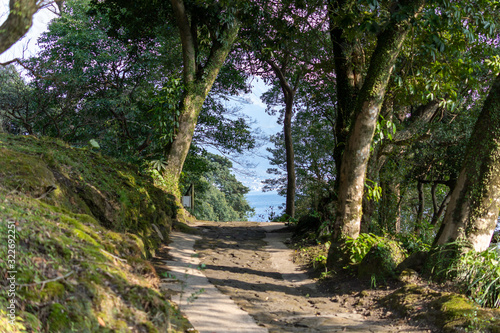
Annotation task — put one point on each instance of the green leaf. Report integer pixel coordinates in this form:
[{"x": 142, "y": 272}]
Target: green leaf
[{"x": 93, "y": 144}]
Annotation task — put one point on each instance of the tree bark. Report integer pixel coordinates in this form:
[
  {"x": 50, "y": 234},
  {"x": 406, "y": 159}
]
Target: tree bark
[
  {"x": 347, "y": 82},
  {"x": 421, "y": 206},
  {"x": 437, "y": 214},
  {"x": 367, "y": 108},
  {"x": 475, "y": 201},
  {"x": 289, "y": 95},
  {"x": 198, "y": 81},
  {"x": 290, "y": 158},
  {"x": 18, "y": 22}
]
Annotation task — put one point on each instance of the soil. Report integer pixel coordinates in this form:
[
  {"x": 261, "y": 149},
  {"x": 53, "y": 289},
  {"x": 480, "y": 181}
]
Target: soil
[{"x": 242, "y": 261}]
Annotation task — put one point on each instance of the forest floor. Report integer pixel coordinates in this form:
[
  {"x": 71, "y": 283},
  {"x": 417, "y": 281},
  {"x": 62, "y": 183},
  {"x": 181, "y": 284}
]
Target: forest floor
[{"x": 249, "y": 263}]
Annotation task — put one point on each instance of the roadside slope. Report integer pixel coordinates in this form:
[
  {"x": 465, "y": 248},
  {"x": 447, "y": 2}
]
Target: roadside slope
[{"x": 84, "y": 226}]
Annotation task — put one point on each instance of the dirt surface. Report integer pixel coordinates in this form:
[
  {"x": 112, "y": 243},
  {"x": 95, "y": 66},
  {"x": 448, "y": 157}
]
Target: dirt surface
[{"x": 256, "y": 271}]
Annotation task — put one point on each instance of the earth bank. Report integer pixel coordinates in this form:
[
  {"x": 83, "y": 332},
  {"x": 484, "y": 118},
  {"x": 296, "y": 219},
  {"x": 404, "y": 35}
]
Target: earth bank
[{"x": 85, "y": 226}]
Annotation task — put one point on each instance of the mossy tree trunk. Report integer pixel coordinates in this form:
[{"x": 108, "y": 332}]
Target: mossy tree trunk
[
  {"x": 366, "y": 111},
  {"x": 348, "y": 77},
  {"x": 198, "y": 81},
  {"x": 475, "y": 201}
]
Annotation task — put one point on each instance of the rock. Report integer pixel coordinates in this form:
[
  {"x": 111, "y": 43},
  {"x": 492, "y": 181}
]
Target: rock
[
  {"x": 381, "y": 261},
  {"x": 415, "y": 261},
  {"x": 408, "y": 276}
]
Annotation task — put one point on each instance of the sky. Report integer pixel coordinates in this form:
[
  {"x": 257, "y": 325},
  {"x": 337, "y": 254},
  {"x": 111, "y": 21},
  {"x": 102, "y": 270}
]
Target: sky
[{"x": 251, "y": 105}]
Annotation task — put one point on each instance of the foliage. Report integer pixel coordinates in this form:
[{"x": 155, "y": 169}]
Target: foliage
[
  {"x": 357, "y": 249},
  {"x": 374, "y": 191},
  {"x": 413, "y": 243},
  {"x": 84, "y": 85},
  {"x": 165, "y": 112},
  {"x": 313, "y": 142},
  {"x": 223, "y": 128},
  {"x": 443, "y": 258},
  {"x": 219, "y": 196},
  {"x": 478, "y": 274},
  {"x": 385, "y": 130}
]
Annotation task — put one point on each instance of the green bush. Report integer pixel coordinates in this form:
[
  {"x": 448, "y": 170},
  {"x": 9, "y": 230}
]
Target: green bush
[
  {"x": 413, "y": 243},
  {"x": 356, "y": 249},
  {"x": 478, "y": 273}
]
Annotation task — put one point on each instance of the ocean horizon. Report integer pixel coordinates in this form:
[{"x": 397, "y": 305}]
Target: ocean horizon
[{"x": 266, "y": 205}]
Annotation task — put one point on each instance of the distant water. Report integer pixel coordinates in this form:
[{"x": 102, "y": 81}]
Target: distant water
[{"x": 265, "y": 204}]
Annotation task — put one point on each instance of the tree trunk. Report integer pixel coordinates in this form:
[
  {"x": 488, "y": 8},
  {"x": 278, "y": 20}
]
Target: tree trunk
[
  {"x": 368, "y": 104},
  {"x": 421, "y": 206},
  {"x": 475, "y": 201},
  {"x": 389, "y": 211},
  {"x": 178, "y": 150},
  {"x": 289, "y": 95},
  {"x": 437, "y": 214},
  {"x": 347, "y": 82},
  {"x": 290, "y": 158},
  {"x": 198, "y": 81},
  {"x": 17, "y": 23},
  {"x": 397, "y": 213}
]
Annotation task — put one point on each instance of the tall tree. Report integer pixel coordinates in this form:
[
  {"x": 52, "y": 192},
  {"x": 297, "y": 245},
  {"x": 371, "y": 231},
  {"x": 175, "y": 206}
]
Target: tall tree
[
  {"x": 283, "y": 51},
  {"x": 367, "y": 105},
  {"x": 432, "y": 98},
  {"x": 207, "y": 31},
  {"x": 198, "y": 77}
]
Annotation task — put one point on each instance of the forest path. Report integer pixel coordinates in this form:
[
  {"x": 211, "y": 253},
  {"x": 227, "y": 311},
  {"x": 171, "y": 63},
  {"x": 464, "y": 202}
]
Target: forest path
[{"x": 257, "y": 286}]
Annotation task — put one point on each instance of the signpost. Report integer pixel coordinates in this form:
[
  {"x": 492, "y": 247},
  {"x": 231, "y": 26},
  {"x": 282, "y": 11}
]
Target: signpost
[{"x": 188, "y": 198}]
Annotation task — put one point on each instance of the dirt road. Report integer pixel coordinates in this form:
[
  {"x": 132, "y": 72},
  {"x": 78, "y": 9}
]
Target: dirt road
[{"x": 249, "y": 264}]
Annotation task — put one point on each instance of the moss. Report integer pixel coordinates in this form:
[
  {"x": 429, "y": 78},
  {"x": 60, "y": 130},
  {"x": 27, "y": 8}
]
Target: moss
[
  {"x": 381, "y": 261},
  {"x": 404, "y": 299},
  {"x": 24, "y": 173},
  {"x": 121, "y": 326},
  {"x": 448, "y": 311},
  {"x": 31, "y": 322},
  {"x": 58, "y": 320},
  {"x": 150, "y": 328},
  {"x": 183, "y": 227},
  {"x": 52, "y": 290},
  {"x": 73, "y": 228}
]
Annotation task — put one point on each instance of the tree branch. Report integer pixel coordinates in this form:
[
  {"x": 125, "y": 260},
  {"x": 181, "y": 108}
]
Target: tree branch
[
  {"x": 187, "y": 40},
  {"x": 18, "y": 22}
]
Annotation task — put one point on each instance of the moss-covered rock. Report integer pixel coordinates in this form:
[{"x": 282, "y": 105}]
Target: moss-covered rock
[
  {"x": 381, "y": 261},
  {"x": 448, "y": 311},
  {"x": 84, "y": 230},
  {"x": 58, "y": 320}
]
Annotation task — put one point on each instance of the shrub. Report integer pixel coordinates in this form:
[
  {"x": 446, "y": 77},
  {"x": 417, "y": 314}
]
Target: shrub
[
  {"x": 478, "y": 273},
  {"x": 356, "y": 249}
]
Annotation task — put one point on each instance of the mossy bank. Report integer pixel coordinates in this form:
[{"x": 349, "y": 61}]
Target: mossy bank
[{"x": 84, "y": 227}]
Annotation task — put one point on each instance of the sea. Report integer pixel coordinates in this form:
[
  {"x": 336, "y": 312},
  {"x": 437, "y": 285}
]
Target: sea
[{"x": 266, "y": 205}]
